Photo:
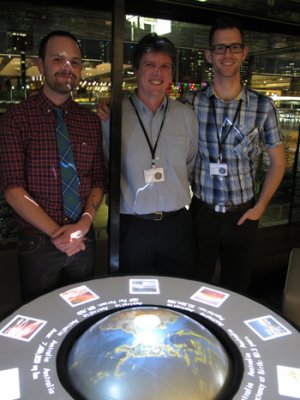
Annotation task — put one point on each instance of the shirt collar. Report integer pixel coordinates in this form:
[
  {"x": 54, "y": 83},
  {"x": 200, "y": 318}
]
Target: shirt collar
[
  {"x": 141, "y": 107},
  {"x": 210, "y": 92},
  {"x": 47, "y": 105}
]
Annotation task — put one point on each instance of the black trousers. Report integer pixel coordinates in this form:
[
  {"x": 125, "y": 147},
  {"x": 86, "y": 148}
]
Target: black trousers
[
  {"x": 157, "y": 247},
  {"x": 42, "y": 267},
  {"x": 217, "y": 235}
]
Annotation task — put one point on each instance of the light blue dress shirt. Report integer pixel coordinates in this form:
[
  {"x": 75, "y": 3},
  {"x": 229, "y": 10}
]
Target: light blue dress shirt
[{"x": 176, "y": 153}]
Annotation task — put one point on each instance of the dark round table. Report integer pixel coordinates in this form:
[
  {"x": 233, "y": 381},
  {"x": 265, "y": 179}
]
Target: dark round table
[{"x": 33, "y": 337}]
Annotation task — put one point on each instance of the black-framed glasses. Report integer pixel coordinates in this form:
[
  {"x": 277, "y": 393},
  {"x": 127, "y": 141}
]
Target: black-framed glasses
[{"x": 222, "y": 48}]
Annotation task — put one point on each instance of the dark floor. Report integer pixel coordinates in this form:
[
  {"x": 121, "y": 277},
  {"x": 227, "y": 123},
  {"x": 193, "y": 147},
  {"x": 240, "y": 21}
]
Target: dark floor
[
  {"x": 272, "y": 255},
  {"x": 274, "y": 245}
]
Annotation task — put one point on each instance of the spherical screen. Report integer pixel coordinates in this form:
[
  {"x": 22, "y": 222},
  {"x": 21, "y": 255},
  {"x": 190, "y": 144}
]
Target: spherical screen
[{"x": 148, "y": 353}]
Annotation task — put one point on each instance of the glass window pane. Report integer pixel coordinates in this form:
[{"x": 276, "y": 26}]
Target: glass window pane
[{"x": 272, "y": 67}]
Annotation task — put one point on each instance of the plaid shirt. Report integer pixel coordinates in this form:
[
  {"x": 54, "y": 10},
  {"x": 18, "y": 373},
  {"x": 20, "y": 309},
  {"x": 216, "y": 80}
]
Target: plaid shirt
[
  {"x": 256, "y": 126},
  {"x": 29, "y": 155}
]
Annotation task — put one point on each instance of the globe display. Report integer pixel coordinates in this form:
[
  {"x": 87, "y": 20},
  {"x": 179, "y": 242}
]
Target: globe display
[{"x": 148, "y": 353}]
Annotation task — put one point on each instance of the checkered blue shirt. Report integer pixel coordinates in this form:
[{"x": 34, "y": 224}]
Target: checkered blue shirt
[{"x": 256, "y": 127}]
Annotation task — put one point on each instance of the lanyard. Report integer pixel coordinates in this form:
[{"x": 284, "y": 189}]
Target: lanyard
[
  {"x": 152, "y": 149},
  {"x": 221, "y": 142}
]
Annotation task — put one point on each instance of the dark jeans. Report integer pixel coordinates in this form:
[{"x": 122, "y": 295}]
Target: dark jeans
[
  {"x": 164, "y": 247},
  {"x": 43, "y": 267},
  {"x": 218, "y": 236}
]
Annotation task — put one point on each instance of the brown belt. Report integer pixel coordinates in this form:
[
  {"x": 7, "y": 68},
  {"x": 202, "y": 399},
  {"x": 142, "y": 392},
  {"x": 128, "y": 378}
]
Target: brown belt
[{"x": 157, "y": 216}]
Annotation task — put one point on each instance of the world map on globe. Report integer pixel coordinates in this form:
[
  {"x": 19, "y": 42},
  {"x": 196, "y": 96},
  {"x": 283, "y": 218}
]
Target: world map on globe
[{"x": 148, "y": 353}]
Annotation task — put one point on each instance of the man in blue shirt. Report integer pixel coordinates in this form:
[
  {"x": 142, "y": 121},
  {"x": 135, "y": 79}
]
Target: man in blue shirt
[
  {"x": 235, "y": 124},
  {"x": 159, "y": 149}
]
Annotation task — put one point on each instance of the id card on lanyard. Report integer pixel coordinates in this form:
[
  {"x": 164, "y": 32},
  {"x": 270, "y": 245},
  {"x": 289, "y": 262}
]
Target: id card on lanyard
[
  {"x": 153, "y": 174},
  {"x": 220, "y": 168}
]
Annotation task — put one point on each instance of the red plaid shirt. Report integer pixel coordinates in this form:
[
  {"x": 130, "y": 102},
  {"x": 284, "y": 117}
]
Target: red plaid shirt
[{"x": 29, "y": 155}]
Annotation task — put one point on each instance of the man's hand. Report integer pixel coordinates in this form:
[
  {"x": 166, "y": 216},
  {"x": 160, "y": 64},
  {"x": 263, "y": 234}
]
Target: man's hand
[
  {"x": 103, "y": 110},
  {"x": 253, "y": 214},
  {"x": 70, "y": 238}
]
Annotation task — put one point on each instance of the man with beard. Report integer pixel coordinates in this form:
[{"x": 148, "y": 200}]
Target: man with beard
[{"x": 56, "y": 238}]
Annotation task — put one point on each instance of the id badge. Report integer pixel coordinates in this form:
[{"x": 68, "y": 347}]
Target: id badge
[
  {"x": 219, "y": 169},
  {"x": 154, "y": 175}
]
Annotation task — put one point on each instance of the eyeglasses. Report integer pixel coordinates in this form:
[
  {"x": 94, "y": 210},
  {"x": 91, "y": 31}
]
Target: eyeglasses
[{"x": 222, "y": 48}]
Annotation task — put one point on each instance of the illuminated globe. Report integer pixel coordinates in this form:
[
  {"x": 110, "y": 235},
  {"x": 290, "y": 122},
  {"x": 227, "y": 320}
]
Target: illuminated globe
[{"x": 148, "y": 353}]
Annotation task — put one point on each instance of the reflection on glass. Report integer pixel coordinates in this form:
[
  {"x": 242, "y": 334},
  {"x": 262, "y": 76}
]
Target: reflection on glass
[{"x": 272, "y": 67}]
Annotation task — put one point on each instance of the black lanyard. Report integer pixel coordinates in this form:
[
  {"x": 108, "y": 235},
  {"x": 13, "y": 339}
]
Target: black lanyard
[
  {"x": 152, "y": 149},
  {"x": 222, "y": 141}
]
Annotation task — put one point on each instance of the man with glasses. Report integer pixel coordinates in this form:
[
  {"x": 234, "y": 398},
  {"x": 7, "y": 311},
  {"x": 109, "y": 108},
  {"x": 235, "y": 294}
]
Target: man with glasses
[{"x": 235, "y": 124}]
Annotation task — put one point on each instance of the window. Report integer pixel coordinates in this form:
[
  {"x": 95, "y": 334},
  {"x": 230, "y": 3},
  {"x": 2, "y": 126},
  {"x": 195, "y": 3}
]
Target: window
[{"x": 272, "y": 67}]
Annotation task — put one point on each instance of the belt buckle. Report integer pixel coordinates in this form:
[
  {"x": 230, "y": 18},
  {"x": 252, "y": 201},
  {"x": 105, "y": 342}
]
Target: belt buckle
[
  {"x": 159, "y": 215},
  {"x": 220, "y": 208}
]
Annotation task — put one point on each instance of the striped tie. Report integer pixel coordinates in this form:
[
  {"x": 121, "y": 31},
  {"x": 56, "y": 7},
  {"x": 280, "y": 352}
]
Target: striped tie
[{"x": 68, "y": 172}]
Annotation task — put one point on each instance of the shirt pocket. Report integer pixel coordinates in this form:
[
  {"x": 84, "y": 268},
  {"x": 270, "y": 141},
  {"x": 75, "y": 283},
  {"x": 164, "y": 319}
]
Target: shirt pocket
[
  {"x": 177, "y": 149},
  {"x": 247, "y": 143},
  {"x": 84, "y": 154}
]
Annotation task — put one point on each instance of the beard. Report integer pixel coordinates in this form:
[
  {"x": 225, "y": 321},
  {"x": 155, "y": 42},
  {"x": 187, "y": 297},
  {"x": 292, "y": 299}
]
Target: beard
[{"x": 62, "y": 86}]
